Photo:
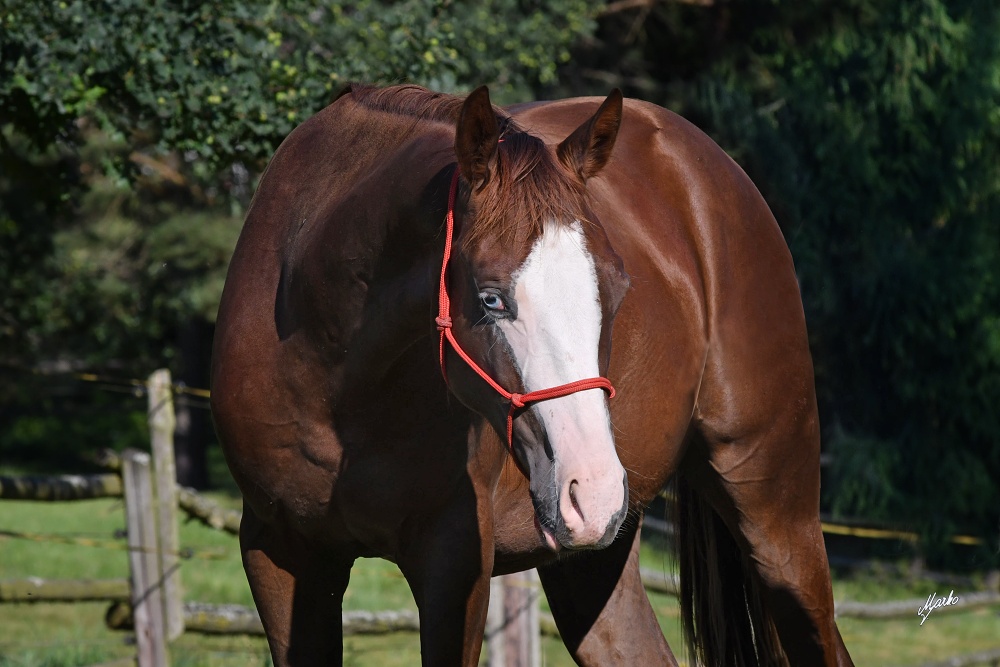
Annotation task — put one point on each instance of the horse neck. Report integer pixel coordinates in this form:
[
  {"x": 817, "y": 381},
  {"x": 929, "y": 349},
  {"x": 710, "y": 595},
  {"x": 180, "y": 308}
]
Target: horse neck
[
  {"x": 359, "y": 276},
  {"x": 401, "y": 294},
  {"x": 398, "y": 312}
]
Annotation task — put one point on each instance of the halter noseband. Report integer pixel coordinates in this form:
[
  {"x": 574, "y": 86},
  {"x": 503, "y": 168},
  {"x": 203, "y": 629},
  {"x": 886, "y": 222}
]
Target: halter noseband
[{"x": 443, "y": 320}]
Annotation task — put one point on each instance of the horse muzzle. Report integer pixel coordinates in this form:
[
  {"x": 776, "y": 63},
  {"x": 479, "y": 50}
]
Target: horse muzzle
[{"x": 582, "y": 513}]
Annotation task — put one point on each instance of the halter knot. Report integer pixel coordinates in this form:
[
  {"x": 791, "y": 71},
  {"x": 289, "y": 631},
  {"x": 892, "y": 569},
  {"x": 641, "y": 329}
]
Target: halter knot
[
  {"x": 516, "y": 401},
  {"x": 443, "y": 323}
]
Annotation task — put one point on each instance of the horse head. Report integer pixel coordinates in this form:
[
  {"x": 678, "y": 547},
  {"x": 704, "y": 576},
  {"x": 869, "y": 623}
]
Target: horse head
[{"x": 535, "y": 287}]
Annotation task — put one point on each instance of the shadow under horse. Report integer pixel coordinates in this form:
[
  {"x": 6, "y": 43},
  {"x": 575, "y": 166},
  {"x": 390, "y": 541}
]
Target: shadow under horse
[{"x": 474, "y": 340}]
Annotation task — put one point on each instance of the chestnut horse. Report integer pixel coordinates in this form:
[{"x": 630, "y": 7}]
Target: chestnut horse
[{"x": 414, "y": 360}]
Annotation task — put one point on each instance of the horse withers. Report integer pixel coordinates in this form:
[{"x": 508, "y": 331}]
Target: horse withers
[{"x": 473, "y": 341}]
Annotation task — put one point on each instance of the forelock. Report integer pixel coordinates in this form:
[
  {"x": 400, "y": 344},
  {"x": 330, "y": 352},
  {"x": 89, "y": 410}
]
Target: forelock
[{"x": 527, "y": 189}]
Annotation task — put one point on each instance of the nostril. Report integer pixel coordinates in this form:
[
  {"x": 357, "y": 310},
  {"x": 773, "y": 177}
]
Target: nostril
[{"x": 572, "y": 499}]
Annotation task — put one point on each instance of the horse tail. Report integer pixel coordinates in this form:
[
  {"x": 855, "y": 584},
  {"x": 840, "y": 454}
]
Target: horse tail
[{"x": 723, "y": 615}]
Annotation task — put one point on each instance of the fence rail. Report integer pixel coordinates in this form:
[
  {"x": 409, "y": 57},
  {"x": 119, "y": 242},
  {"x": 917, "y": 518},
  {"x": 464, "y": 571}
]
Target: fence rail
[
  {"x": 60, "y": 488},
  {"x": 234, "y": 619},
  {"x": 35, "y": 589}
]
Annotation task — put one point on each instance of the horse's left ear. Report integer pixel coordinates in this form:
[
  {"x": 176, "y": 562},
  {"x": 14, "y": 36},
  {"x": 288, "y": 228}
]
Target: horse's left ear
[{"x": 586, "y": 151}]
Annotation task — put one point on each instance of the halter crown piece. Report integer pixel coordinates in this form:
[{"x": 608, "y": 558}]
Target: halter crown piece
[{"x": 443, "y": 321}]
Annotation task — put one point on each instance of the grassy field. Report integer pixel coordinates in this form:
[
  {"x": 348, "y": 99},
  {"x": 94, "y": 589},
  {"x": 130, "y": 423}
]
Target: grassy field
[{"x": 60, "y": 635}]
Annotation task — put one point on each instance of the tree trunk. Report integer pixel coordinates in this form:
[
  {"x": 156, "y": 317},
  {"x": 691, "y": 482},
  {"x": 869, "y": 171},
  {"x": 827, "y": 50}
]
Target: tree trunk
[{"x": 194, "y": 423}]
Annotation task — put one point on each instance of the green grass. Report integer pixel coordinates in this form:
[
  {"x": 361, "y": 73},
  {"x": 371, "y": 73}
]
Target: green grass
[{"x": 63, "y": 635}]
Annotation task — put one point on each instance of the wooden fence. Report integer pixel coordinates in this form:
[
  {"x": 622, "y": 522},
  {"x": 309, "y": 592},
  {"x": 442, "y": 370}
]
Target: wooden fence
[{"x": 150, "y": 604}]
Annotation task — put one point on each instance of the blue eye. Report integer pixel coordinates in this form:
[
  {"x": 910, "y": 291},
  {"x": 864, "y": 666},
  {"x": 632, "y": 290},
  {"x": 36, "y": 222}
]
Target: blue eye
[{"x": 492, "y": 301}]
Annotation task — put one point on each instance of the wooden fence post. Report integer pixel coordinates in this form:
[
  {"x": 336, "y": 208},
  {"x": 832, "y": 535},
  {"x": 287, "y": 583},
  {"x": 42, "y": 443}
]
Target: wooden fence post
[
  {"x": 162, "y": 421},
  {"x": 496, "y": 654},
  {"x": 147, "y": 605},
  {"x": 517, "y": 643}
]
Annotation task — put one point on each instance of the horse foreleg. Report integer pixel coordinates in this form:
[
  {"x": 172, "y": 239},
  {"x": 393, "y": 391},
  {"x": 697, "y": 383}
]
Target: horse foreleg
[
  {"x": 601, "y": 607},
  {"x": 447, "y": 561},
  {"x": 298, "y": 592}
]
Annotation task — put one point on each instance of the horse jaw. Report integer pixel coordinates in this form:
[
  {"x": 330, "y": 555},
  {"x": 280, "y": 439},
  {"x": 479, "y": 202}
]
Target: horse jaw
[{"x": 580, "y": 496}]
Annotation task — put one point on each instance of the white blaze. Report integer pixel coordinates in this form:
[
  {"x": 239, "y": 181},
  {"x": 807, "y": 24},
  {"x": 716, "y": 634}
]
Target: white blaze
[{"x": 554, "y": 340}]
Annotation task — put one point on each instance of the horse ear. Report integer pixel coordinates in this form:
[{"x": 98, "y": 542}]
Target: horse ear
[
  {"x": 476, "y": 138},
  {"x": 586, "y": 151}
]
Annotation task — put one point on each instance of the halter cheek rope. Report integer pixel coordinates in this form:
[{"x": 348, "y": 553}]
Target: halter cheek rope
[{"x": 443, "y": 320}]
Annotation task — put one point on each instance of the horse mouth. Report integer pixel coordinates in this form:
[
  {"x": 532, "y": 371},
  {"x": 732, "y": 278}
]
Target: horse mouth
[{"x": 547, "y": 536}]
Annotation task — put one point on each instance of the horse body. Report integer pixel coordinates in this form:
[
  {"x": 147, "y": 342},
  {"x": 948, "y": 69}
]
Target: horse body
[{"x": 347, "y": 441}]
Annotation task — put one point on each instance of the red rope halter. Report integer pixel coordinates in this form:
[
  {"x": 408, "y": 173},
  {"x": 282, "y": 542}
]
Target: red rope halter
[{"x": 443, "y": 320}]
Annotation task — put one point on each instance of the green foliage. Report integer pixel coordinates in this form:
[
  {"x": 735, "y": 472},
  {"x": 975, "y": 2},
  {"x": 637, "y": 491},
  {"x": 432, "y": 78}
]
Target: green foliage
[
  {"x": 128, "y": 280},
  {"x": 114, "y": 285},
  {"x": 32, "y": 197},
  {"x": 55, "y": 424},
  {"x": 864, "y": 469},
  {"x": 228, "y": 80}
]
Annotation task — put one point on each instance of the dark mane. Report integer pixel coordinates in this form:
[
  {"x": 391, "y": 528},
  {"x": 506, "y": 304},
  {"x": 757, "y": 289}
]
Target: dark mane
[{"x": 529, "y": 187}]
